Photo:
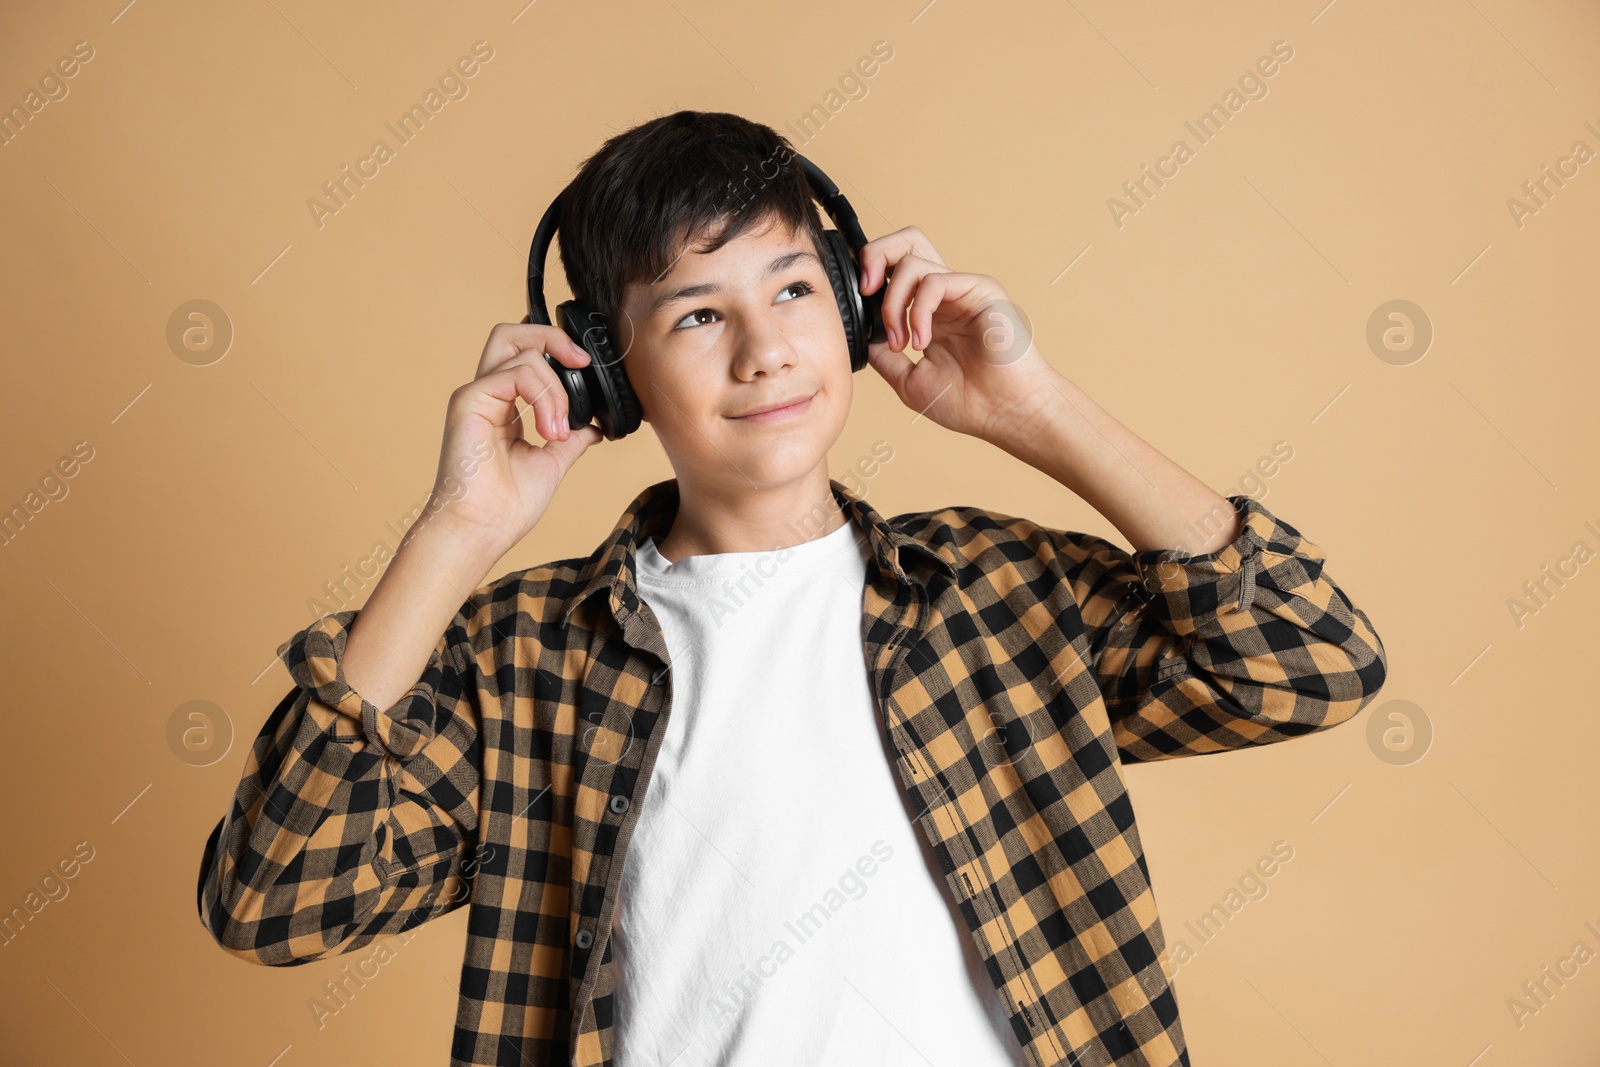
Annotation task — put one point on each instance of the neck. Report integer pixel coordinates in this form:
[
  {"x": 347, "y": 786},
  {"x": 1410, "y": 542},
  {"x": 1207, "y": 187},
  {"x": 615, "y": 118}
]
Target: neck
[{"x": 743, "y": 518}]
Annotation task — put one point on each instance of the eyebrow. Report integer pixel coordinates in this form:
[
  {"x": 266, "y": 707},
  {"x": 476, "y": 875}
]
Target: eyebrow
[{"x": 783, "y": 262}]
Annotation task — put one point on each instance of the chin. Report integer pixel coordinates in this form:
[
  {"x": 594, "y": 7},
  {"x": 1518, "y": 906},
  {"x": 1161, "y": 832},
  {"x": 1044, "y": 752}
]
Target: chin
[
  {"x": 772, "y": 458},
  {"x": 778, "y": 466}
]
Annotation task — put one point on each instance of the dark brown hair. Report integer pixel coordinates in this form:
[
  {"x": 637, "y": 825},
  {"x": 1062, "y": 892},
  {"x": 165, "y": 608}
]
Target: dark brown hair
[{"x": 646, "y": 192}]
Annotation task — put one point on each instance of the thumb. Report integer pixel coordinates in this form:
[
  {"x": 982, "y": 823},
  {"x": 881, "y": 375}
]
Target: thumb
[
  {"x": 566, "y": 453},
  {"x": 892, "y": 366}
]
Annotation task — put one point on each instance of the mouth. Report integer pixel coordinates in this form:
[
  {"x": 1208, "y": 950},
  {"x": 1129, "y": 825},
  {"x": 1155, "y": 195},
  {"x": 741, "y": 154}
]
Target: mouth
[{"x": 783, "y": 409}]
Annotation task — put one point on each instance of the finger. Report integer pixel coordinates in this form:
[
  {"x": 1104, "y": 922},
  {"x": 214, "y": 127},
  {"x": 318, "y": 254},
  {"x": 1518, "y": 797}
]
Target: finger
[
  {"x": 553, "y": 393},
  {"x": 507, "y": 340},
  {"x": 493, "y": 397},
  {"x": 881, "y": 255},
  {"x": 910, "y": 271},
  {"x": 548, "y": 400},
  {"x": 892, "y": 365},
  {"x": 922, "y": 246},
  {"x": 569, "y": 352},
  {"x": 566, "y": 452},
  {"x": 929, "y": 294},
  {"x": 934, "y": 291}
]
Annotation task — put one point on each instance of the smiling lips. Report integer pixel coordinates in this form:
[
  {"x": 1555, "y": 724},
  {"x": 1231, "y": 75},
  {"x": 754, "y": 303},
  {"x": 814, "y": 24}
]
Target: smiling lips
[{"x": 785, "y": 409}]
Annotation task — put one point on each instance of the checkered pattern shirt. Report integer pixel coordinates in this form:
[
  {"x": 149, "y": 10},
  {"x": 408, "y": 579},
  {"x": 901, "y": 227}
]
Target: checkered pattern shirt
[{"x": 1016, "y": 667}]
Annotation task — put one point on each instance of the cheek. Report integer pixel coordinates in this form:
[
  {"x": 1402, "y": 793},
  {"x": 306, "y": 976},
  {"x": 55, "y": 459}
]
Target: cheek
[
  {"x": 843, "y": 382},
  {"x": 825, "y": 345},
  {"x": 836, "y": 368},
  {"x": 839, "y": 388},
  {"x": 674, "y": 386}
]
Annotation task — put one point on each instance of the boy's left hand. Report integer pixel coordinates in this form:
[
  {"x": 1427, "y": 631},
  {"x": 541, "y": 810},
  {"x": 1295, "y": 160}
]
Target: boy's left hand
[{"x": 980, "y": 373}]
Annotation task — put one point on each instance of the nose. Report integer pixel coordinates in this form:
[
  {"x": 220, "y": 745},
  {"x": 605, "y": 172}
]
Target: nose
[{"x": 761, "y": 348}]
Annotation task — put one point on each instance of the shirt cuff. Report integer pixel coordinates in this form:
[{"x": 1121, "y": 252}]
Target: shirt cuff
[
  {"x": 1186, "y": 588},
  {"x": 315, "y": 658}
]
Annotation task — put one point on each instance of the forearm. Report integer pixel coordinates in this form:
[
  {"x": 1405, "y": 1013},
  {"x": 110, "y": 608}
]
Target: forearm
[
  {"x": 1152, "y": 501},
  {"x": 434, "y": 571}
]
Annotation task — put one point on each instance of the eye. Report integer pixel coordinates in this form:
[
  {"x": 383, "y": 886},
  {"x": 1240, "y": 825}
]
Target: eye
[
  {"x": 697, "y": 311},
  {"x": 804, "y": 288}
]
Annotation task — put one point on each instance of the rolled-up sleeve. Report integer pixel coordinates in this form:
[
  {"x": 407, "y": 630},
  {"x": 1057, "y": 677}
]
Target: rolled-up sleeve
[
  {"x": 1247, "y": 645},
  {"x": 338, "y": 836}
]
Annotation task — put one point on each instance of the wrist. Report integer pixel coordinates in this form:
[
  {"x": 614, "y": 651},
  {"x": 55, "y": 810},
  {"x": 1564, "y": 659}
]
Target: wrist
[
  {"x": 464, "y": 549},
  {"x": 1024, "y": 425}
]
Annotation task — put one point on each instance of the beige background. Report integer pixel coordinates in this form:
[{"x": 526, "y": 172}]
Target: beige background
[{"x": 1228, "y": 314}]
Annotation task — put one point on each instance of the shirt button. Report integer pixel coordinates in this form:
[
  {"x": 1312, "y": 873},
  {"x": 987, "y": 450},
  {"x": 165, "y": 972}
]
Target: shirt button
[
  {"x": 619, "y": 804},
  {"x": 585, "y": 939}
]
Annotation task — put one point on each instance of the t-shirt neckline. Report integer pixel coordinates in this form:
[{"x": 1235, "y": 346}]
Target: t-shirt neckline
[{"x": 652, "y": 567}]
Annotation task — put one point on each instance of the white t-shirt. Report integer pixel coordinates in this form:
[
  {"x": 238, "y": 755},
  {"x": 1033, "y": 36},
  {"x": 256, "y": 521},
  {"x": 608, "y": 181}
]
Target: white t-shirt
[{"x": 777, "y": 903}]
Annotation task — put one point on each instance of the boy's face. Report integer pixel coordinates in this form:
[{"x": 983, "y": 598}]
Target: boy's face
[{"x": 759, "y": 327}]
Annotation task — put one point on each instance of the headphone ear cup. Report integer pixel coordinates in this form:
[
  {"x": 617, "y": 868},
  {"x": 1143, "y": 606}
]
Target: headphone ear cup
[
  {"x": 608, "y": 395},
  {"x": 847, "y": 292}
]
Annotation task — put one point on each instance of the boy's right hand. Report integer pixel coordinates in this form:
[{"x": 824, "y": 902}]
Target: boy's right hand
[{"x": 512, "y": 480}]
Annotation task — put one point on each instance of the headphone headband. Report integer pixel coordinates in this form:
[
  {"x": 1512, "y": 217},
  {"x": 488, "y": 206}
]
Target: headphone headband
[
  {"x": 835, "y": 204},
  {"x": 538, "y": 311}
]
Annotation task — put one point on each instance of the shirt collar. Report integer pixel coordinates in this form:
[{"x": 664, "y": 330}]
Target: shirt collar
[{"x": 613, "y": 566}]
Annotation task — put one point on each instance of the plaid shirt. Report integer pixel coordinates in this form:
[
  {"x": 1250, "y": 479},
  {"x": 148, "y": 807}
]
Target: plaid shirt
[{"x": 1017, "y": 668}]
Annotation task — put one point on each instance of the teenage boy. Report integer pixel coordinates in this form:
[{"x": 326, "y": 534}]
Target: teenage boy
[{"x": 885, "y": 820}]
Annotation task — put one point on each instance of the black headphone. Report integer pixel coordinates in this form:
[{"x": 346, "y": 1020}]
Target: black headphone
[{"x": 600, "y": 389}]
